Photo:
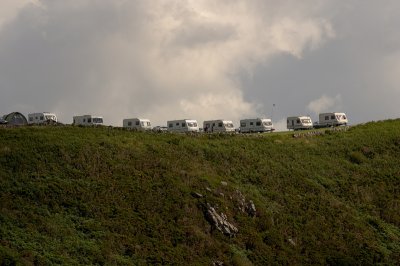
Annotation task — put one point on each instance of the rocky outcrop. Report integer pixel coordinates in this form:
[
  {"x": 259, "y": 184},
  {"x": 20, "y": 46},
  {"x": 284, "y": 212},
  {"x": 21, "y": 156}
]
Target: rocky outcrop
[
  {"x": 244, "y": 206},
  {"x": 220, "y": 222}
]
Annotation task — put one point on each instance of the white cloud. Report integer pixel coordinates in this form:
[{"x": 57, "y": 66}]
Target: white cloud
[
  {"x": 324, "y": 103},
  {"x": 160, "y": 59},
  {"x": 280, "y": 125}
]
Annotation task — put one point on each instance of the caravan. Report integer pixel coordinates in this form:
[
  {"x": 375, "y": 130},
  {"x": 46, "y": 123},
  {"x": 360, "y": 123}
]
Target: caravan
[
  {"x": 39, "y": 118},
  {"x": 137, "y": 124},
  {"x": 299, "y": 122},
  {"x": 331, "y": 120},
  {"x": 218, "y": 126},
  {"x": 87, "y": 120},
  {"x": 256, "y": 125},
  {"x": 184, "y": 125}
]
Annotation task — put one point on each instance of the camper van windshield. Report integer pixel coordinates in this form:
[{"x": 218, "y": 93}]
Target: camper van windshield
[
  {"x": 229, "y": 125},
  {"x": 306, "y": 121},
  {"x": 50, "y": 117},
  {"x": 192, "y": 124},
  {"x": 267, "y": 123},
  {"x": 97, "y": 120}
]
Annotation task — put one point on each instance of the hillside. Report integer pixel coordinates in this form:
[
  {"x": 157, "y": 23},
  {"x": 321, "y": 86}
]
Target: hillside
[{"x": 106, "y": 196}]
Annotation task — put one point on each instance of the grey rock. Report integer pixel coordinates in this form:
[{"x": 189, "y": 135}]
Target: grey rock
[
  {"x": 251, "y": 209},
  {"x": 196, "y": 195},
  {"x": 220, "y": 221},
  {"x": 291, "y": 241}
]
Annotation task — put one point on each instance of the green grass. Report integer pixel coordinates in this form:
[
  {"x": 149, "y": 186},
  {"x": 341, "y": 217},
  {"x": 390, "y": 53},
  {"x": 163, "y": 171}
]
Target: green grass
[{"x": 104, "y": 196}]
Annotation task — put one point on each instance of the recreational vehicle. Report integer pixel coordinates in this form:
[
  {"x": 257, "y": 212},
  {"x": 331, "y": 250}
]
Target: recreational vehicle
[
  {"x": 39, "y": 118},
  {"x": 137, "y": 124},
  {"x": 218, "y": 126},
  {"x": 256, "y": 125},
  {"x": 184, "y": 125},
  {"x": 331, "y": 120},
  {"x": 299, "y": 122},
  {"x": 88, "y": 120}
]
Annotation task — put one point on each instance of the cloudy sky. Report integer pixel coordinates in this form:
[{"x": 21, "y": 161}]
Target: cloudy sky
[{"x": 201, "y": 59}]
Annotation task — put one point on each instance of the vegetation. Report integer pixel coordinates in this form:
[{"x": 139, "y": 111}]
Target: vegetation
[{"x": 107, "y": 196}]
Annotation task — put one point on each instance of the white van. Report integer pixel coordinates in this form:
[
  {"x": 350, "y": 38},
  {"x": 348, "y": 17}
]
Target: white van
[
  {"x": 137, "y": 124},
  {"x": 87, "y": 120},
  {"x": 39, "y": 118},
  {"x": 299, "y": 122},
  {"x": 332, "y": 119},
  {"x": 184, "y": 125},
  {"x": 218, "y": 126},
  {"x": 256, "y": 125}
]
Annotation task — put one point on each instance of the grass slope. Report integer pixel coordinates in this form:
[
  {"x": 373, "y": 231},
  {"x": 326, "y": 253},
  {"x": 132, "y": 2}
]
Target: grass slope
[{"x": 103, "y": 196}]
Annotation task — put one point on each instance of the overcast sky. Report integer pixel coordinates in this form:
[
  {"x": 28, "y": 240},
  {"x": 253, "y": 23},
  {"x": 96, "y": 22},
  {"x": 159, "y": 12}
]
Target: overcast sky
[{"x": 200, "y": 59}]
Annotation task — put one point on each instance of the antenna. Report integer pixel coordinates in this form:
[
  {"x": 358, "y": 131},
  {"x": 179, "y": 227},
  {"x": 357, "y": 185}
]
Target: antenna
[{"x": 272, "y": 113}]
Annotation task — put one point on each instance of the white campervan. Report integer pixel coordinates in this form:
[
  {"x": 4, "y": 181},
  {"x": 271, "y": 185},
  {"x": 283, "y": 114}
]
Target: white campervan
[
  {"x": 137, "y": 124},
  {"x": 218, "y": 126},
  {"x": 87, "y": 120},
  {"x": 256, "y": 125},
  {"x": 299, "y": 122},
  {"x": 184, "y": 125},
  {"x": 39, "y": 118},
  {"x": 332, "y": 119}
]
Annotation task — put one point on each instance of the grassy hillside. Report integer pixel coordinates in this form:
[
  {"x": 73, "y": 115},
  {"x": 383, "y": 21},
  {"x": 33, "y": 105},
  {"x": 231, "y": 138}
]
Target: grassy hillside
[{"x": 103, "y": 196}]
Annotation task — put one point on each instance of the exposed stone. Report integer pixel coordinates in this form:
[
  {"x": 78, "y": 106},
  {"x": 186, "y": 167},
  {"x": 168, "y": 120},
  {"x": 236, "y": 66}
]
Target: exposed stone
[
  {"x": 218, "y": 263},
  {"x": 208, "y": 189},
  {"x": 251, "y": 209},
  {"x": 220, "y": 221},
  {"x": 224, "y": 183},
  {"x": 245, "y": 207},
  {"x": 196, "y": 195},
  {"x": 291, "y": 241},
  {"x": 221, "y": 194}
]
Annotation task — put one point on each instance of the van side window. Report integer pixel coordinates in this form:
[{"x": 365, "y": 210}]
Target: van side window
[
  {"x": 243, "y": 124},
  {"x": 298, "y": 121},
  {"x": 31, "y": 118},
  {"x": 326, "y": 117},
  {"x": 137, "y": 123},
  {"x": 177, "y": 124},
  {"x": 84, "y": 120},
  {"x": 258, "y": 123},
  {"x": 41, "y": 118},
  {"x": 183, "y": 124},
  {"x": 89, "y": 120},
  {"x": 130, "y": 123},
  {"x": 332, "y": 117},
  {"x": 220, "y": 124},
  {"x": 251, "y": 123},
  {"x": 170, "y": 125}
]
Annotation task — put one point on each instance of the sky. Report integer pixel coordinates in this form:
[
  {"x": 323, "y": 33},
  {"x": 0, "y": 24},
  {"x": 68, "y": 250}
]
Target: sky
[{"x": 200, "y": 59}]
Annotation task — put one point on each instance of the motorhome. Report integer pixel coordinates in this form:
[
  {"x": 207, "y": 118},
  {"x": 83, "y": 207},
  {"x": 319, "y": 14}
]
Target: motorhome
[
  {"x": 183, "y": 125},
  {"x": 137, "y": 124},
  {"x": 256, "y": 125},
  {"x": 87, "y": 120},
  {"x": 39, "y": 118},
  {"x": 219, "y": 125},
  {"x": 299, "y": 122},
  {"x": 331, "y": 120}
]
